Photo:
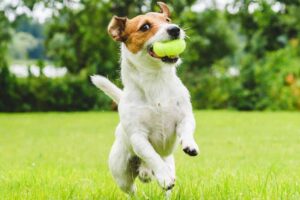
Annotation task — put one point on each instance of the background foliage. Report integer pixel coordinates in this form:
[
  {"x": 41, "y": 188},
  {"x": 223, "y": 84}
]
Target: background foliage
[{"x": 238, "y": 57}]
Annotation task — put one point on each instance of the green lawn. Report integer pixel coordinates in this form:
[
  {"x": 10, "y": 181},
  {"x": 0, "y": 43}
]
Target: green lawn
[{"x": 64, "y": 156}]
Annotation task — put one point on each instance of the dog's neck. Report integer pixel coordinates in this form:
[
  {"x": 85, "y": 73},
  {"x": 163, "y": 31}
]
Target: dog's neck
[
  {"x": 148, "y": 77},
  {"x": 135, "y": 69}
]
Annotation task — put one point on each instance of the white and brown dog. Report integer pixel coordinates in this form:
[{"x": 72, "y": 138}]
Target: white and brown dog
[{"x": 154, "y": 106}]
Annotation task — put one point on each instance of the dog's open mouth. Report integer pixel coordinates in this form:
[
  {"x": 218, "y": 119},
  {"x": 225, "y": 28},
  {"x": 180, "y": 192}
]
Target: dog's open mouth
[{"x": 165, "y": 59}]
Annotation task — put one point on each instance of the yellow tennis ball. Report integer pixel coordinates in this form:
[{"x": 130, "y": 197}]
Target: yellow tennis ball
[{"x": 169, "y": 48}]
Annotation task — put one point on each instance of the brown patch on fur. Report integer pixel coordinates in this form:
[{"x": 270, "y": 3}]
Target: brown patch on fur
[
  {"x": 137, "y": 38},
  {"x": 116, "y": 28}
]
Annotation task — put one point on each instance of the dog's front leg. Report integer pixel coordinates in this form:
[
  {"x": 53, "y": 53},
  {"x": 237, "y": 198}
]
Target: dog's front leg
[
  {"x": 143, "y": 149},
  {"x": 185, "y": 131}
]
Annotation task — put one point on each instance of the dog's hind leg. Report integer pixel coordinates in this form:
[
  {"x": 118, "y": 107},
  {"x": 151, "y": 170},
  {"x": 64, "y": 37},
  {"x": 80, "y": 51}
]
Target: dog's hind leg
[{"x": 123, "y": 166}]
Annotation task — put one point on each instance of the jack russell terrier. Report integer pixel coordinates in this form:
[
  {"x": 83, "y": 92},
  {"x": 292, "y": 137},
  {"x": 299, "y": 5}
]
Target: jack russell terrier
[{"x": 154, "y": 106}]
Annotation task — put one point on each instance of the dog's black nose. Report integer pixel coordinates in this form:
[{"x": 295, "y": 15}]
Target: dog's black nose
[{"x": 173, "y": 31}]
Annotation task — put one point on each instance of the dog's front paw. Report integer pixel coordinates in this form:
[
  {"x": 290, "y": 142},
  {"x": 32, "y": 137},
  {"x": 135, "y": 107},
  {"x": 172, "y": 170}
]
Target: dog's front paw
[
  {"x": 190, "y": 147},
  {"x": 165, "y": 180}
]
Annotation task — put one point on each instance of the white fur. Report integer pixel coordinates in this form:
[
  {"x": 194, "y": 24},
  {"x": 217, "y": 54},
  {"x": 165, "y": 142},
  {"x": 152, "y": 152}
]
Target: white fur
[{"x": 155, "y": 115}]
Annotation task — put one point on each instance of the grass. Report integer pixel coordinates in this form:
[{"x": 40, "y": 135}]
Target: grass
[{"x": 64, "y": 156}]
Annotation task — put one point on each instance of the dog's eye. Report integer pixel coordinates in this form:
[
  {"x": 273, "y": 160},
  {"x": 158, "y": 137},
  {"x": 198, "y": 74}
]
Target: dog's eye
[
  {"x": 168, "y": 19},
  {"x": 145, "y": 27}
]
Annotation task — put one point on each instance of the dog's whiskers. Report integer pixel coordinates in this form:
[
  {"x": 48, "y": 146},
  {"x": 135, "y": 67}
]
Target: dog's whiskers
[
  {"x": 187, "y": 37},
  {"x": 186, "y": 28}
]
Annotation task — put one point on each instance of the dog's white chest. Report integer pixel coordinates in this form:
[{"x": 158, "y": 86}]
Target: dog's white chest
[{"x": 163, "y": 119}]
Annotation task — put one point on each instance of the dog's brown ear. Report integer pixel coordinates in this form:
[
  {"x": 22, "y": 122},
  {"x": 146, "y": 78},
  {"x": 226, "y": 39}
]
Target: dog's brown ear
[
  {"x": 116, "y": 28},
  {"x": 164, "y": 8}
]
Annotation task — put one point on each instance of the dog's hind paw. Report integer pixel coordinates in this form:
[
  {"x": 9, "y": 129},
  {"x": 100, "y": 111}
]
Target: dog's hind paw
[{"x": 145, "y": 174}]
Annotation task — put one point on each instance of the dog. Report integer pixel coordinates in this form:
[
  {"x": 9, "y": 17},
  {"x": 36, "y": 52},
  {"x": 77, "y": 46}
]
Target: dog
[{"x": 154, "y": 107}]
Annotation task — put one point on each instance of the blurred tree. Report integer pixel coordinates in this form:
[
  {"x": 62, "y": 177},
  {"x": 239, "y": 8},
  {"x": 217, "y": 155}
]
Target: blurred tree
[
  {"x": 77, "y": 39},
  {"x": 212, "y": 38},
  {"x": 4, "y": 38},
  {"x": 27, "y": 26},
  {"x": 6, "y": 79},
  {"x": 266, "y": 26},
  {"x": 21, "y": 44},
  {"x": 263, "y": 25}
]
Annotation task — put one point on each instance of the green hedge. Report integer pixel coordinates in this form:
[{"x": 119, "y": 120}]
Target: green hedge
[
  {"x": 271, "y": 83},
  {"x": 46, "y": 94}
]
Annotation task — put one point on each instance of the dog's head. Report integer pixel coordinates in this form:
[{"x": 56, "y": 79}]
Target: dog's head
[{"x": 139, "y": 34}]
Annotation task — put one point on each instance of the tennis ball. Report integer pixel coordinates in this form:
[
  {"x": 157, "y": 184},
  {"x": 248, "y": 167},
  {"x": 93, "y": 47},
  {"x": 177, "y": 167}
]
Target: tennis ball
[{"x": 169, "y": 48}]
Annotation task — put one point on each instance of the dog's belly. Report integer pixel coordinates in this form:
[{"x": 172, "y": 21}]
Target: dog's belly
[
  {"x": 164, "y": 144},
  {"x": 162, "y": 128}
]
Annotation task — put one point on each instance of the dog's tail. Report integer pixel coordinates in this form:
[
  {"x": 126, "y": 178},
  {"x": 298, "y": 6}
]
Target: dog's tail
[{"x": 107, "y": 87}]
